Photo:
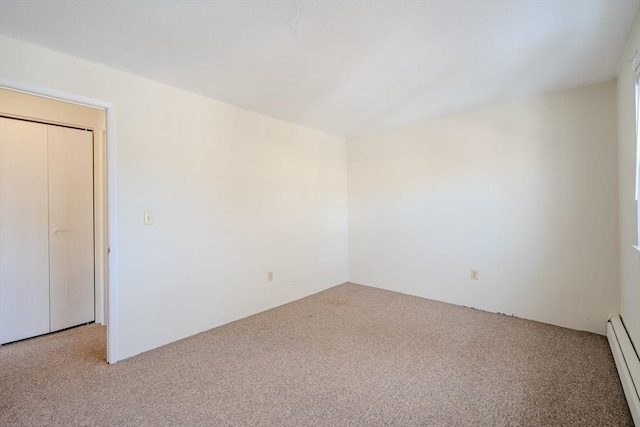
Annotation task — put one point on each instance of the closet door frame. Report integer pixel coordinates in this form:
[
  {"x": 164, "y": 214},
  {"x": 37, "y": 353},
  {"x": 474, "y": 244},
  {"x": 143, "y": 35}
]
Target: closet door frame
[{"x": 105, "y": 224}]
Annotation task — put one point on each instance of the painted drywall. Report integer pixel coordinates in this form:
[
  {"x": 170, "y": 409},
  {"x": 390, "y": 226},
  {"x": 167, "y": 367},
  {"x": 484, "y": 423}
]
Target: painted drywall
[
  {"x": 526, "y": 193},
  {"x": 629, "y": 256},
  {"x": 235, "y": 194}
]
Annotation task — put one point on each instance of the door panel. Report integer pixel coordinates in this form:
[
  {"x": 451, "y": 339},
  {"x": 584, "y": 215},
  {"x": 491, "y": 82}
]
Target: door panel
[
  {"x": 24, "y": 245},
  {"x": 71, "y": 227}
]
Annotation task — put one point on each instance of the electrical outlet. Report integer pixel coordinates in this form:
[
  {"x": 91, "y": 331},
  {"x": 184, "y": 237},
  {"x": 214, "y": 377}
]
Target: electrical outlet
[
  {"x": 148, "y": 218},
  {"x": 474, "y": 274},
  {"x": 269, "y": 276}
]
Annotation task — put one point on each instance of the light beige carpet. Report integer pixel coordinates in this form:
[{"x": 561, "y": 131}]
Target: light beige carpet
[{"x": 348, "y": 356}]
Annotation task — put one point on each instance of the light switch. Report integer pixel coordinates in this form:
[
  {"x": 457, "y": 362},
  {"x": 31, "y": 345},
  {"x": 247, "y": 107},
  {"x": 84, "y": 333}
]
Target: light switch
[{"x": 148, "y": 218}]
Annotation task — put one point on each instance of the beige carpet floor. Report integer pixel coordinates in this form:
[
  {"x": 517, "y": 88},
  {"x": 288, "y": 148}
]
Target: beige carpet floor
[{"x": 348, "y": 356}]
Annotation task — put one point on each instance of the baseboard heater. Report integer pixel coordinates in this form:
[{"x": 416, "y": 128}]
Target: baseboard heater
[{"x": 627, "y": 362}]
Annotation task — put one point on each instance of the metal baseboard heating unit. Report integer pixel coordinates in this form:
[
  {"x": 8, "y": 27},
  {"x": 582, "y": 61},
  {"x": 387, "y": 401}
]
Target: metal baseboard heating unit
[{"x": 627, "y": 362}]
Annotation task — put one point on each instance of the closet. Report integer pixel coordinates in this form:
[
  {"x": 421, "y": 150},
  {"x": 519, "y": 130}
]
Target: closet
[{"x": 46, "y": 228}]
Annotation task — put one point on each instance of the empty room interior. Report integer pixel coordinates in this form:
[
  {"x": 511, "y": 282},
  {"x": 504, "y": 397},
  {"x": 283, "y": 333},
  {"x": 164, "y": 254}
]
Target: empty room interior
[{"x": 319, "y": 213}]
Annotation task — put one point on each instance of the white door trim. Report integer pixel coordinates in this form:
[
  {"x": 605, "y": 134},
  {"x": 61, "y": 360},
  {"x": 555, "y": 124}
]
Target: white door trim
[{"x": 112, "y": 285}]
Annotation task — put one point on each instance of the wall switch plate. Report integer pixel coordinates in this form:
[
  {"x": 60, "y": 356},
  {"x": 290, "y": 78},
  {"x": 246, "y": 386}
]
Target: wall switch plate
[
  {"x": 148, "y": 218},
  {"x": 269, "y": 276},
  {"x": 474, "y": 274}
]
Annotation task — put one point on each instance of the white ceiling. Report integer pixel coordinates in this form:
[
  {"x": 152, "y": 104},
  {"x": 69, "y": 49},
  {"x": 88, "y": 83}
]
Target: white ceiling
[{"x": 343, "y": 67}]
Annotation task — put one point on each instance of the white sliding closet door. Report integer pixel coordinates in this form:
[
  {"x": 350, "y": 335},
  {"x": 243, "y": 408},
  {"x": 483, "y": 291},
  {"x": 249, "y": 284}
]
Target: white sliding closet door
[
  {"x": 24, "y": 244},
  {"x": 71, "y": 279}
]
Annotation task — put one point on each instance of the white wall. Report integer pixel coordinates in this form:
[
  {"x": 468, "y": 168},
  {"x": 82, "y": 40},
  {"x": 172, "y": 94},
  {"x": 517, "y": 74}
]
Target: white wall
[
  {"x": 235, "y": 194},
  {"x": 629, "y": 257},
  {"x": 526, "y": 193}
]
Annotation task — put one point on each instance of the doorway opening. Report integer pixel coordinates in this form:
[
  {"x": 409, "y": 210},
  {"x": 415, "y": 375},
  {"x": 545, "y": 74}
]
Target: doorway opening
[{"x": 86, "y": 123}]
